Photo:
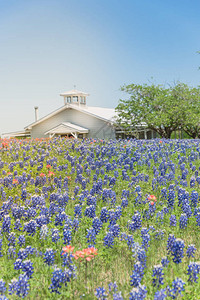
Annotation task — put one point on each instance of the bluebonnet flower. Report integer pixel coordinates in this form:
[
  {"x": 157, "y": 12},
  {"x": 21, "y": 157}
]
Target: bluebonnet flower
[
  {"x": 138, "y": 293},
  {"x": 130, "y": 240},
  {"x": 68, "y": 274},
  {"x": 115, "y": 229},
  {"x": 124, "y": 202},
  {"x": 56, "y": 280},
  {"x": 75, "y": 224},
  {"x": 118, "y": 212},
  {"x": 104, "y": 214},
  {"x": 49, "y": 256},
  {"x": 112, "y": 287},
  {"x": 198, "y": 218},
  {"x": 194, "y": 197},
  {"x": 55, "y": 235},
  {"x": 137, "y": 274},
  {"x": 6, "y": 223},
  {"x": 177, "y": 288},
  {"x": 27, "y": 267},
  {"x": 21, "y": 240},
  {"x": 97, "y": 224},
  {"x": 164, "y": 261},
  {"x": 3, "y": 297},
  {"x": 186, "y": 207},
  {"x": 41, "y": 220},
  {"x": 18, "y": 225},
  {"x": 141, "y": 255},
  {"x": 170, "y": 242},
  {"x": 171, "y": 198},
  {"x": 67, "y": 259},
  {"x": 77, "y": 210},
  {"x": 67, "y": 235},
  {"x": 109, "y": 240},
  {"x": 192, "y": 181},
  {"x": 90, "y": 211},
  {"x": 193, "y": 271},
  {"x": 190, "y": 250},
  {"x": 160, "y": 295},
  {"x": 146, "y": 241},
  {"x": 183, "y": 221},
  {"x": 177, "y": 250},
  {"x": 22, "y": 286},
  {"x": 11, "y": 252},
  {"x": 12, "y": 286},
  {"x": 2, "y": 287},
  {"x": 30, "y": 227},
  {"x": 117, "y": 296},
  {"x": 173, "y": 220},
  {"x": 60, "y": 218},
  {"x": 91, "y": 236},
  {"x": 135, "y": 249},
  {"x": 136, "y": 222},
  {"x": 158, "y": 275},
  {"x": 112, "y": 217},
  {"x": 159, "y": 217},
  {"x": 30, "y": 250},
  {"x": 18, "y": 264},
  {"x": 22, "y": 254},
  {"x": 101, "y": 293}
]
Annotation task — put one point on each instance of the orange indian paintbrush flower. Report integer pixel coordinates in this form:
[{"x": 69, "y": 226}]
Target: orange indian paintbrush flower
[
  {"x": 67, "y": 249},
  {"x": 152, "y": 197}
]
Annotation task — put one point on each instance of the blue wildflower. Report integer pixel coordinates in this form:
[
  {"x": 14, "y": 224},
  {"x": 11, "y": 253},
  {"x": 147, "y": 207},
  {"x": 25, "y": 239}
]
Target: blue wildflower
[
  {"x": 193, "y": 271},
  {"x": 22, "y": 286},
  {"x": 190, "y": 250},
  {"x": 109, "y": 240},
  {"x": 101, "y": 293},
  {"x": 2, "y": 287},
  {"x": 49, "y": 257},
  {"x": 27, "y": 267},
  {"x": 158, "y": 275}
]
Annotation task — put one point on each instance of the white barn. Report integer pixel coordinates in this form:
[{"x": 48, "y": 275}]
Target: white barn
[{"x": 74, "y": 118}]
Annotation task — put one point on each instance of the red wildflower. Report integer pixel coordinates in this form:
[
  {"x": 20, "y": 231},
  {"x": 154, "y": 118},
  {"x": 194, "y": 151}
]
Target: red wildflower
[
  {"x": 152, "y": 197},
  {"x": 87, "y": 254},
  {"x": 67, "y": 249},
  {"x": 48, "y": 166},
  {"x": 51, "y": 174},
  {"x": 15, "y": 181},
  {"x": 42, "y": 175}
]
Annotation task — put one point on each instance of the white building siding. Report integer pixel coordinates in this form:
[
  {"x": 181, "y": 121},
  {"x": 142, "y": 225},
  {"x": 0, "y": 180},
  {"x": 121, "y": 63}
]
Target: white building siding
[{"x": 97, "y": 128}]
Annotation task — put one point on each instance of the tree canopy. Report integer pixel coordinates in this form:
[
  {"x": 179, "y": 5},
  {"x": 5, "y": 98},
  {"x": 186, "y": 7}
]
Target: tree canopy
[{"x": 159, "y": 108}]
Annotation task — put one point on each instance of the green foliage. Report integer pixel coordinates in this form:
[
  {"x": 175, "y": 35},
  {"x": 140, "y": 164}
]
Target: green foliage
[{"x": 161, "y": 109}]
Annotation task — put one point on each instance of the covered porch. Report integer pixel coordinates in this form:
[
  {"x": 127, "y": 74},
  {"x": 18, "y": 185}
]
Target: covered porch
[{"x": 67, "y": 129}]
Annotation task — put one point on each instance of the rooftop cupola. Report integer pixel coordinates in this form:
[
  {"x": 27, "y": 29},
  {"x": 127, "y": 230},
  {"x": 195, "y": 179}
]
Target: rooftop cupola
[{"x": 74, "y": 97}]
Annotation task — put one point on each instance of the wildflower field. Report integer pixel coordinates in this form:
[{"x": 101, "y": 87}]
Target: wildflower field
[{"x": 94, "y": 219}]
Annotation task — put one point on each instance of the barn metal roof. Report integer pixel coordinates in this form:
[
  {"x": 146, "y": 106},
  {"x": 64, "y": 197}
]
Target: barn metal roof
[{"x": 106, "y": 114}]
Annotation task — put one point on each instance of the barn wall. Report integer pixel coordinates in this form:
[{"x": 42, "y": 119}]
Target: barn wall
[{"x": 97, "y": 128}]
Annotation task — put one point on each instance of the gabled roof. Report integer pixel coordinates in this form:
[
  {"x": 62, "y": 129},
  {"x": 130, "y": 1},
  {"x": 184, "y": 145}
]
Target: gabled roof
[
  {"x": 74, "y": 92},
  {"x": 67, "y": 127},
  {"x": 105, "y": 114}
]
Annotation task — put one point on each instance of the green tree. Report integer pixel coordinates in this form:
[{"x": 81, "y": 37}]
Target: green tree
[
  {"x": 191, "y": 108},
  {"x": 152, "y": 106}
]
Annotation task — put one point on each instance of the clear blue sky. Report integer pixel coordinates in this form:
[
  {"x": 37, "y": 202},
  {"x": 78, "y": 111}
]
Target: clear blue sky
[{"x": 47, "y": 47}]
